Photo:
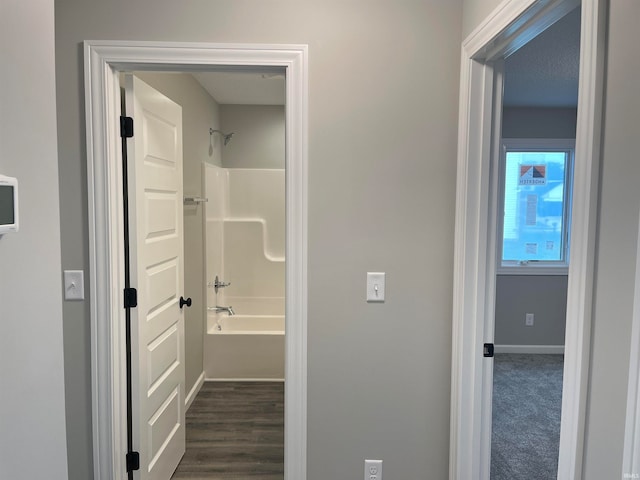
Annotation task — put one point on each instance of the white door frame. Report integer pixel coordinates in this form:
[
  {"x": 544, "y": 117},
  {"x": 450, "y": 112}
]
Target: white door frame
[
  {"x": 103, "y": 61},
  {"x": 631, "y": 455},
  {"x": 509, "y": 27}
]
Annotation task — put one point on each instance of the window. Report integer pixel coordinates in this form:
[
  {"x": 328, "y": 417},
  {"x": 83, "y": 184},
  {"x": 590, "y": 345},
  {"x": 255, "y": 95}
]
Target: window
[{"x": 535, "y": 196}]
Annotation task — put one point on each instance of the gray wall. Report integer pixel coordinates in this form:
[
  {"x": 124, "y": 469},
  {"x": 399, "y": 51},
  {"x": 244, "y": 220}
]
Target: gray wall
[
  {"x": 377, "y": 201},
  {"x": 32, "y": 416},
  {"x": 475, "y": 12},
  {"x": 199, "y": 113},
  {"x": 543, "y": 295},
  {"x": 525, "y": 122},
  {"x": 258, "y": 140},
  {"x": 617, "y": 236}
]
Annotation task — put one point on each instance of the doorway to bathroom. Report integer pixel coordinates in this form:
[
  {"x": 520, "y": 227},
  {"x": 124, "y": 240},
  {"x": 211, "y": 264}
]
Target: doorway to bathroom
[
  {"x": 105, "y": 61},
  {"x": 231, "y": 133}
]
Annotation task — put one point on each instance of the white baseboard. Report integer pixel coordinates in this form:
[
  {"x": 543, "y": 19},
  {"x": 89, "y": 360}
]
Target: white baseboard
[
  {"x": 244, "y": 380},
  {"x": 193, "y": 392},
  {"x": 554, "y": 349}
]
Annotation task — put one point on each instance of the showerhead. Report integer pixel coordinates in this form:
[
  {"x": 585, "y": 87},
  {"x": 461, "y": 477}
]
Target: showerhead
[{"x": 225, "y": 136}]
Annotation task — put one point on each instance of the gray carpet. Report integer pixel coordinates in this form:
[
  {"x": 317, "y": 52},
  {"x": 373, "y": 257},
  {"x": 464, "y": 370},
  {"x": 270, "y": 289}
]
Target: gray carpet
[{"x": 527, "y": 401}]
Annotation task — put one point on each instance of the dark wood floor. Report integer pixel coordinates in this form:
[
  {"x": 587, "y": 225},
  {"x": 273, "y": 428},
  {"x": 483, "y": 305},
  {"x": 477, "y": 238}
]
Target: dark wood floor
[{"x": 235, "y": 430}]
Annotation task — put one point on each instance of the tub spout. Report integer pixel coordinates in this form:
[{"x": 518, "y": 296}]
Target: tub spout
[{"x": 219, "y": 309}]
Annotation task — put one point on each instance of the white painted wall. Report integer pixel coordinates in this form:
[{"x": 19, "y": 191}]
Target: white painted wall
[{"x": 32, "y": 405}]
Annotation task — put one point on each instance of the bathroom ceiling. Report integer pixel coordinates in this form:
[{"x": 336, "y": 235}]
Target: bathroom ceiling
[
  {"x": 244, "y": 88},
  {"x": 544, "y": 72}
]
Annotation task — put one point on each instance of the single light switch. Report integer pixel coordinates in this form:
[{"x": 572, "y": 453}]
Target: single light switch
[
  {"x": 375, "y": 286},
  {"x": 73, "y": 285}
]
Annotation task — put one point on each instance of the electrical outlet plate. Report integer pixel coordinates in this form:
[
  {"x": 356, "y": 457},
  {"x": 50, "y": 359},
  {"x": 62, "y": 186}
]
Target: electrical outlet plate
[
  {"x": 528, "y": 320},
  {"x": 373, "y": 470}
]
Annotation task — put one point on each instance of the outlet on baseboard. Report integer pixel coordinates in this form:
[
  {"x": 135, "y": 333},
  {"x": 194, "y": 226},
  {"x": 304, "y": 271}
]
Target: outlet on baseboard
[
  {"x": 528, "y": 321},
  {"x": 373, "y": 470}
]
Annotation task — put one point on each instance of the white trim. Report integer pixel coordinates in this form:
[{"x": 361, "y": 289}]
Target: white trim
[
  {"x": 631, "y": 456},
  {"x": 584, "y": 217},
  {"x": 531, "y": 349},
  {"x": 103, "y": 61},
  {"x": 491, "y": 40},
  {"x": 194, "y": 391},
  {"x": 532, "y": 270},
  {"x": 275, "y": 380}
]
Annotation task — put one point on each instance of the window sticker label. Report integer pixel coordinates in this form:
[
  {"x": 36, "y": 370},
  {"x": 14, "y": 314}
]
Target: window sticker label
[
  {"x": 533, "y": 175},
  {"x": 531, "y": 248}
]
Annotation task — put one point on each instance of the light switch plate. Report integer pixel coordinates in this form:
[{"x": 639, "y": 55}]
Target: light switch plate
[
  {"x": 73, "y": 285},
  {"x": 375, "y": 286}
]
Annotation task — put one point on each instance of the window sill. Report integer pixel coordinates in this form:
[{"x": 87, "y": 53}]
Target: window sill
[{"x": 533, "y": 270}]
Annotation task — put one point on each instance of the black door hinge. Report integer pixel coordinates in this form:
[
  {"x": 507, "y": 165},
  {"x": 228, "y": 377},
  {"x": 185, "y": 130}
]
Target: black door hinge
[
  {"x": 488, "y": 350},
  {"x": 133, "y": 461},
  {"x": 130, "y": 298},
  {"x": 126, "y": 127}
]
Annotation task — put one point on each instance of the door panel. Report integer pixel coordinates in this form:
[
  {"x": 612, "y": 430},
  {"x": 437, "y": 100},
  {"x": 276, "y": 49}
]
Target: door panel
[{"x": 157, "y": 271}]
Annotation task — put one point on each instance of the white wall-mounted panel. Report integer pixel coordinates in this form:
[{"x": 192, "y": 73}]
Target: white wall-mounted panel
[
  {"x": 246, "y": 266},
  {"x": 260, "y": 194}
]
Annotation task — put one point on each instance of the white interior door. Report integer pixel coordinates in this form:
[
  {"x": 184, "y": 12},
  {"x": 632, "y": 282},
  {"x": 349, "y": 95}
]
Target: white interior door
[{"x": 157, "y": 271}]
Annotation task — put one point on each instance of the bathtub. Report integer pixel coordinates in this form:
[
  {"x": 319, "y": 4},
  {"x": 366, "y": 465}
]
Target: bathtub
[
  {"x": 244, "y": 347},
  {"x": 246, "y": 325}
]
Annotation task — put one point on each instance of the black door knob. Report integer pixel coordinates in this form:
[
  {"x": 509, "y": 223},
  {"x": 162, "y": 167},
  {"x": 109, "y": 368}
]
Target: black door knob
[{"x": 184, "y": 302}]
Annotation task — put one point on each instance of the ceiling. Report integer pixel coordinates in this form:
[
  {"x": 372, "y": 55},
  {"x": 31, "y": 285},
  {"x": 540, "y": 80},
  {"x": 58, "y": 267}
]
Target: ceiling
[
  {"x": 244, "y": 88},
  {"x": 544, "y": 72}
]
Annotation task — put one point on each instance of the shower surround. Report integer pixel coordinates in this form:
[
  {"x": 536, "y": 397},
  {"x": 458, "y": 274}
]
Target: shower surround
[{"x": 245, "y": 245}]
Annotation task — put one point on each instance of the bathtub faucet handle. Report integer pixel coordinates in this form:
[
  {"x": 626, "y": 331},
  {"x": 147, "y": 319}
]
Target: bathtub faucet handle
[{"x": 218, "y": 284}]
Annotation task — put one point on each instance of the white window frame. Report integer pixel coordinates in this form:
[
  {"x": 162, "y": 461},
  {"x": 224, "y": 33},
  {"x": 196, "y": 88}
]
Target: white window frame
[{"x": 560, "y": 267}]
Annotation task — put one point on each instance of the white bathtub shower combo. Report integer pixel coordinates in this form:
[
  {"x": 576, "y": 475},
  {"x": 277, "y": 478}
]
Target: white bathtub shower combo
[{"x": 245, "y": 247}]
